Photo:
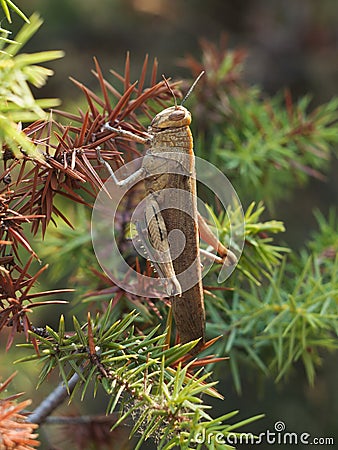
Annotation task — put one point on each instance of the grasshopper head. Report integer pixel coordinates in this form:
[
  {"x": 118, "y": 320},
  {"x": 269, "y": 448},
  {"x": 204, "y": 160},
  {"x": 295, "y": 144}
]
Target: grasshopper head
[{"x": 173, "y": 117}]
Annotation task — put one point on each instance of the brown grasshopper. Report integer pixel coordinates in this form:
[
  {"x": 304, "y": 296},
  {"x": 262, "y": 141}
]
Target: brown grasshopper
[{"x": 168, "y": 170}]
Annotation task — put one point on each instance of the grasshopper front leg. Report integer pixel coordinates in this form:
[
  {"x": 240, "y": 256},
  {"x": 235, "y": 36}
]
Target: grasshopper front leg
[
  {"x": 134, "y": 177},
  {"x": 127, "y": 134},
  {"x": 127, "y": 182}
]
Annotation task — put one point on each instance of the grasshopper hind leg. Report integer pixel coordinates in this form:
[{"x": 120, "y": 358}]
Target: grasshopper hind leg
[{"x": 154, "y": 237}]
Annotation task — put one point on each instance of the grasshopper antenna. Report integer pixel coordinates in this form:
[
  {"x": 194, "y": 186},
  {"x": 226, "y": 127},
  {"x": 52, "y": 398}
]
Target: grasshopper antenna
[
  {"x": 172, "y": 92},
  {"x": 192, "y": 87}
]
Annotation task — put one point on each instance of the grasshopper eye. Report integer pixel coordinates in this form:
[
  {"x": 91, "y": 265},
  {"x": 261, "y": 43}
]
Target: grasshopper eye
[{"x": 177, "y": 115}]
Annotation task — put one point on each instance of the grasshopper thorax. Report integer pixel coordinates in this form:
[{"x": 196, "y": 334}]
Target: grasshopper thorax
[{"x": 172, "y": 117}]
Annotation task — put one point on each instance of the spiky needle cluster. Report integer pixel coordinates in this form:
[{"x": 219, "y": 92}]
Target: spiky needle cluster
[
  {"x": 62, "y": 163},
  {"x": 15, "y": 431}
]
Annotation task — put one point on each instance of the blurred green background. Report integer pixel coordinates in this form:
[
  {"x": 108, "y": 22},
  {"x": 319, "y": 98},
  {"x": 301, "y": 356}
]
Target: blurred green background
[{"x": 290, "y": 44}]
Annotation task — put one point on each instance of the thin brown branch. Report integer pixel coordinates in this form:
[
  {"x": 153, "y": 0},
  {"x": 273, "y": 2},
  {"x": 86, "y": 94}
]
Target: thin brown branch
[{"x": 53, "y": 400}]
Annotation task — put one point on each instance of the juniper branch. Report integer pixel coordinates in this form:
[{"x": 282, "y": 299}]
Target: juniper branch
[{"x": 53, "y": 400}]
